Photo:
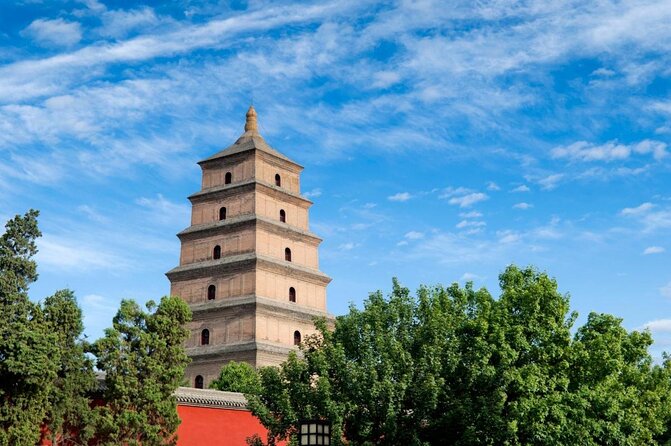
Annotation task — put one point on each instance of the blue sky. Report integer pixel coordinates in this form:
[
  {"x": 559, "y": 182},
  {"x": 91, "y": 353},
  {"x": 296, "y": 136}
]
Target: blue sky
[{"x": 441, "y": 140}]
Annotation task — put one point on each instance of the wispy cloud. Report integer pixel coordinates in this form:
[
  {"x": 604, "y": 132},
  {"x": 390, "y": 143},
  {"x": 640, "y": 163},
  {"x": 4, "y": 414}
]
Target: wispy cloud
[
  {"x": 653, "y": 250},
  {"x": 63, "y": 254},
  {"x": 638, "y": 210},
  {"x": 314, "y": 193},
  {"x": 414, "y": 235},
  {"x": 401, "y": 196},
  {"x": 659, "y": 326},
  {"x": 523, "y": 206},
  {"x": 463, "y": 197},
  {"x": 521, "y": 188},
  {"x": 56, "y": 32},
  {"x": 493, "y": 186},
  {"x": 610, "y": 151}
]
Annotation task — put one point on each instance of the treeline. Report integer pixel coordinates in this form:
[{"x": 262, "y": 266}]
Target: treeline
[
  {"x": 455, "y": 366},
  {"x": 48, "y": 387}
]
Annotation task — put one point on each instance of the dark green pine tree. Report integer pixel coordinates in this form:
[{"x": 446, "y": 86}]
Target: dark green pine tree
[
  {"x": 69, "y": 417},
  {"x": 143, "y": 358},
  {"x": 29, "y": 353}
]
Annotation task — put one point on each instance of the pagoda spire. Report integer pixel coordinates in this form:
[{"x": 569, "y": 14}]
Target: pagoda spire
[{"x": 251, "y": 126}]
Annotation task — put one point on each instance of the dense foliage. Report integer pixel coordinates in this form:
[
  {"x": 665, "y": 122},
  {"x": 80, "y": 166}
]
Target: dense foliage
[
  {"x": 47, "y": 381},
  {"x": 455, "y": 366},
  {"x": 238, "y": 377},
  {"x": 143, "y": 358}
]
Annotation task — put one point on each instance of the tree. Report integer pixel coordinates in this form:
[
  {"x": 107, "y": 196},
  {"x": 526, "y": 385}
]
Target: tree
[
  {"x": 238, "y": 377},
  {"x": 454, "y": 366},
  {"x": 29, "y": 355},
  {"x": 624, "y": 398},
  {"x": 143, "y": 358},
  {"x": 303, "y": 387},
  {"x": 69, "y": 416}
]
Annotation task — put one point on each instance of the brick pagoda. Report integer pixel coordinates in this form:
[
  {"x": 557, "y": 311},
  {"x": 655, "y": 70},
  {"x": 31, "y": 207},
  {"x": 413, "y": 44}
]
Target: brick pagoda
[{"x": 249, "y": 265}]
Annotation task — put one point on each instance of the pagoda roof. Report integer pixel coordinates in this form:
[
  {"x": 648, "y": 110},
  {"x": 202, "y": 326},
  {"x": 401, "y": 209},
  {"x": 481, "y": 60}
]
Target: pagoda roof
[{"x": 251, "y": 139}]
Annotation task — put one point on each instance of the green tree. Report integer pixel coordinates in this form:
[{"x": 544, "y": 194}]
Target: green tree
[
  {"x": 454, "y": 366},
  {"x": 238, "y": 377},
  {"x": 143, "y": 358},
  {"x": 623, "y": 397},
  {"x": 29, "y": 355},
  {"x": 69, "y": 415},
  {"x": 305, "y": 386}
]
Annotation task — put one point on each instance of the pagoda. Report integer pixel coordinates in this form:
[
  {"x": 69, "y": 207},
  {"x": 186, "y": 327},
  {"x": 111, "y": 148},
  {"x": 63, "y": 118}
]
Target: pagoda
[{"x": 249, "y": 265}]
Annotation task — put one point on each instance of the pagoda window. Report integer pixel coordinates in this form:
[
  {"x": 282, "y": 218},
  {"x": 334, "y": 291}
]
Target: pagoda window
[
  {"x": 205, "y": 337},
  {"x": 292, "y": 294},
  {"x": 287, "y": 254},
  {"x": 283, "y": 216},
  {"x": 199, "y": 382},
  {"x": 211, "y": 292},
  {"x": 222, "y": 213},
  {"x": 297, "y": 337},
  {"x": 217, "y": 252},
  {"x": 228, "y": 178},
  {"x": 278, "y": 180}
]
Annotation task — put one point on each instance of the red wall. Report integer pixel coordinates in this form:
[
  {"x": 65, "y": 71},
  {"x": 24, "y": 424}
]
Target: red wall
[{"x": 208, "y": 426}]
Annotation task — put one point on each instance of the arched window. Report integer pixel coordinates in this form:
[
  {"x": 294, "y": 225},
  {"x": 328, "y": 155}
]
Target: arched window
[
  {"x": 217, "y": 252},
  {"x": 205, "y": 337},
  {"x": 228, "y": 178},
  {"x": 292, "y": 294},
  {"x": 222, "y": 214},
  {"x": 287, "y": 254},
  {"x": 297, "y": 337},
  {"x": 199, "y": 382},
  {"x": 211, "y": 292},
  {"x": 278, "y": 180},
  {"x": 283, "y": 216}
]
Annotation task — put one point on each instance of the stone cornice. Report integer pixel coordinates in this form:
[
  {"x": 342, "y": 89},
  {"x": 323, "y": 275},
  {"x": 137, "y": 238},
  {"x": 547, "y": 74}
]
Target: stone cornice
[
  {"x": 244, "y": 221},
  {"x": 203, "y": 352},
  {"x": 245, "y": 262},
  {"x": 288, "y": 309},
  {"x": 228, "y": 190}
]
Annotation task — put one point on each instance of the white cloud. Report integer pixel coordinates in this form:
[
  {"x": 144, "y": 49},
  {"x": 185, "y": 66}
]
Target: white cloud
[
  {"x": 659, "y": 325},
  {"x": 347, "y": 246},
  {"x": 165, "y": 211},
  {"x": 401, "y": 196},
  {"x": 523, "y": 206},
  {"x": 493, "y": 186},
  {"x": 74, "y": 255},
  {"x": 551, "y": 181},
  {"x": 414, "y": 235},
  {"x": 508, "y": 236},
  {"x": 522, "y": 188},
  {"x": 470, "y": 224},
  {"x": 314, "y": 193},
  {"x": 471, "y": 214},
  {"x": 468, "y": 277},
  {"x": 610, "y": 151},
  {"x": 118, "y": 23},
  {"x": 462, "y": 196},
  {"x": 402, "y": 243},
  {"x": 638, "y": 210},
  {"x": 55, "y": 32},
  {"x": 653, "y": 250}
]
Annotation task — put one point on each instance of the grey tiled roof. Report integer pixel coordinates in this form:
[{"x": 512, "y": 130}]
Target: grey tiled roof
[{"x": 189, "y": 396}]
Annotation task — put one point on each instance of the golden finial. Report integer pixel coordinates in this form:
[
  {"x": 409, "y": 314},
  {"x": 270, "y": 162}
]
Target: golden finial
[{"x": 251, "y": 125}]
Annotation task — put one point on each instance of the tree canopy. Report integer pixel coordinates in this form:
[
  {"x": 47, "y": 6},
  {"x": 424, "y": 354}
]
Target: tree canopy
[
  {"x": 47, "y": 381},
  {"x": 456, "y": 366}
]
